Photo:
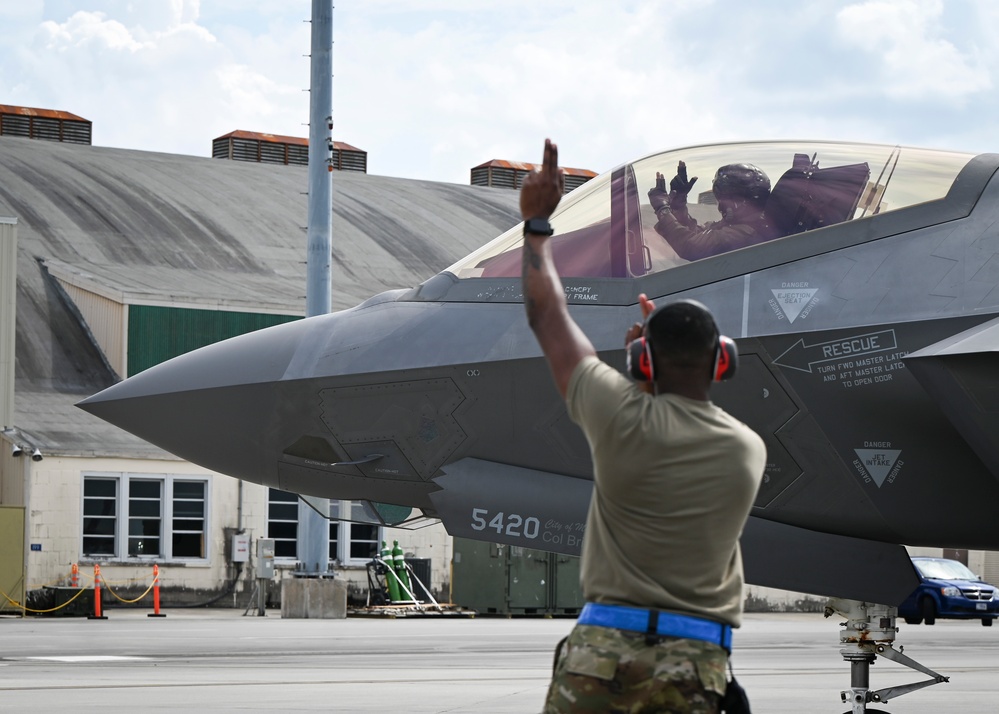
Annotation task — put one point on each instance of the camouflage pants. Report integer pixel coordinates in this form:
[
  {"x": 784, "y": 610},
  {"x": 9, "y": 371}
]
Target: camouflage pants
[{"x": 601, "y": 669}]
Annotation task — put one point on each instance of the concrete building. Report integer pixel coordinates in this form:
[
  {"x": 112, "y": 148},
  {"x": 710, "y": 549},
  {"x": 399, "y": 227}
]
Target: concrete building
[{"x": 124, "y": 259}]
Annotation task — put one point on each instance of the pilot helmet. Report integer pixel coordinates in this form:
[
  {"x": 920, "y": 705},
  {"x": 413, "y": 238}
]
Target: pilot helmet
[{"x": 741, "y": 181}]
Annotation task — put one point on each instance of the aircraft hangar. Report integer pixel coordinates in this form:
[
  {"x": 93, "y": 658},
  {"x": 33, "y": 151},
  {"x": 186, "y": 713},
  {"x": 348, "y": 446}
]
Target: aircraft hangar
[{"x": 126, "y": 258}]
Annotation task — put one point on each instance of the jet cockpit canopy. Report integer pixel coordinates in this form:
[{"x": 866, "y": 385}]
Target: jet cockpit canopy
[{"x": 606, "y": 227}]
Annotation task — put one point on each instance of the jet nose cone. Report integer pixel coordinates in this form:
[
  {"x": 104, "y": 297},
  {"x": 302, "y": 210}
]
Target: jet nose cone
[
  {"x": 212, "y": 406},
  {"x": 261, "y": 356}
]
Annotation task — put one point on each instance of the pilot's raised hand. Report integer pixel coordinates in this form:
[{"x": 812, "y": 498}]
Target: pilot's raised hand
[
  {"x": 679, "y": 187},
  {"x": 658, "y": 195},
  {"x": 542, "y": 189}
]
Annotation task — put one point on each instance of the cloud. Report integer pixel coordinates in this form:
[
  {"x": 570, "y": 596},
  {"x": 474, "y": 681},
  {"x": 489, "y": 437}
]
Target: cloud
[
  {"x": 431, "y": 89},
  {"x": 84, "y": 30},
  {"x": 911, "y": 60},
  {"x": 599, "y": 77},
  {"x": 154, "y": 78}
]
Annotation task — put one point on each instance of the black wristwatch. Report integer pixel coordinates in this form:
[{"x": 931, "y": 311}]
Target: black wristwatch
[{"x": 538, "y": 226}]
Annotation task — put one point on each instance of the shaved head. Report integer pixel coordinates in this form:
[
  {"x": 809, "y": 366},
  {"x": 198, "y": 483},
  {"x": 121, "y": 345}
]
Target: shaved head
[{"x": 684, "y": 334}]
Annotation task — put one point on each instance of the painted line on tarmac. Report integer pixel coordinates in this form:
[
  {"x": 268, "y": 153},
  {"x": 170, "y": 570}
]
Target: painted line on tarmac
[
  {"x": 241, "y": 683},
  {"x": 72, "y": 659}
]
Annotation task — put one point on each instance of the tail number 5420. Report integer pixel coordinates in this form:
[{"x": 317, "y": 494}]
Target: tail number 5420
[{"x": 510, "y": 524}]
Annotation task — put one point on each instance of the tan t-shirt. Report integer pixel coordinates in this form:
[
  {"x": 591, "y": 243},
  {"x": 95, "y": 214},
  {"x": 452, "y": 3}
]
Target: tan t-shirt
[{"x": 674, "y": 481}]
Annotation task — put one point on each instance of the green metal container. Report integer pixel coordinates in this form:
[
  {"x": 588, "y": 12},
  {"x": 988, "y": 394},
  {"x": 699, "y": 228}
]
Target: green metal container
[{"x": 508, "y": 580}]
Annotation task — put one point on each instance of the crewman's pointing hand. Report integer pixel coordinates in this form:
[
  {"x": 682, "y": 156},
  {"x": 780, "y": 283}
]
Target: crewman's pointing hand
[{"x": 543, "y": 189}]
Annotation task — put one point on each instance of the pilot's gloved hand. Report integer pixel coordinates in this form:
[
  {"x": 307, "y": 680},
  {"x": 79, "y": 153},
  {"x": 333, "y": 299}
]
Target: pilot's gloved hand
[
  {"x": 658, "y": 195},
  {"x": 679, "y": 187}
]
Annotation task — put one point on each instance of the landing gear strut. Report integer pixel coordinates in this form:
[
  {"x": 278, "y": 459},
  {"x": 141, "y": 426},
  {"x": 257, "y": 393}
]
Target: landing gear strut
[{"x": 869, "y": 632}]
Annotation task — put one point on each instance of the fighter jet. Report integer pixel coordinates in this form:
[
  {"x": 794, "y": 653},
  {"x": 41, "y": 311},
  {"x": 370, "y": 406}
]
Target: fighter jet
[{"x": 866, "y": 325}]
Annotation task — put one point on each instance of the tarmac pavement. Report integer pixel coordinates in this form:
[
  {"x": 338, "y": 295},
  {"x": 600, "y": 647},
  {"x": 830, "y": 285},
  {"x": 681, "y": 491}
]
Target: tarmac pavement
[{"x": 220, "y": 660}]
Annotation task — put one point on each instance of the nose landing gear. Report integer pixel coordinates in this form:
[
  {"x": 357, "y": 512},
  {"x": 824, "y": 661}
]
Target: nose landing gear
[{"x": 869, "y": 632}]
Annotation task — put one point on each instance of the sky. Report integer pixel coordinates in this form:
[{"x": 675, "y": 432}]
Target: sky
[{"x": 431, "y": 88}]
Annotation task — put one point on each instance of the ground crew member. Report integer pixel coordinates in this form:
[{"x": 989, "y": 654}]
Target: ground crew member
[{"x": 674, "y": 481}]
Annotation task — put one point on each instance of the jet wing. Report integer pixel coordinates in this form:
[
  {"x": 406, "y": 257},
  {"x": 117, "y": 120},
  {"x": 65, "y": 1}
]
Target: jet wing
[
  {"x": 778, "y": 555},
  {"x": 960, "y": 374},
  {"x": 535, "y": 509}
]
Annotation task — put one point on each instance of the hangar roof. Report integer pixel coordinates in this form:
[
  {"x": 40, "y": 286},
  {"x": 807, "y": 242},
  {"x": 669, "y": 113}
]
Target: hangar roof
[{"x": 167, "y": 229}]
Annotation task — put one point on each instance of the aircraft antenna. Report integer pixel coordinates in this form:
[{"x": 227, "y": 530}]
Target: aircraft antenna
[
  {"x": 898, "y": 152},
  {"x": 895, "y": 152}
]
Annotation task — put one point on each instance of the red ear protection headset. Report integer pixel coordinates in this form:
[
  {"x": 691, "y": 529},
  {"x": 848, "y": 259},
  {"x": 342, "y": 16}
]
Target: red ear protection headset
[
  {"x": 641, "y": 364},
  {"x": 726, "y": 359}
]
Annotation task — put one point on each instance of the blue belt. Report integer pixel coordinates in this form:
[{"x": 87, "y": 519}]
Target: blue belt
[{"x": 656, "y": 623}]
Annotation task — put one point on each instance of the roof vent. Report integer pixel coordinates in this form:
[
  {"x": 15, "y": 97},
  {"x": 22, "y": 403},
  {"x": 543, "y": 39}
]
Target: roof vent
[
  {"x": 510, "y": 174},
  {"x": 47, "y": 124},
  {"x": 276, "y": 149}
]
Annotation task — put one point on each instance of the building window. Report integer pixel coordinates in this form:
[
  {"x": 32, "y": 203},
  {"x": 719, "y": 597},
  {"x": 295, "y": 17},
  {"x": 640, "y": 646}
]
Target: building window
[
  {"x": 282, "y": 523},
  {"x": 360, "y": 542},
  {"x": 145, "y": 502},
  {"x": 350, "y": 543},
  {"x": 189, "y": 519},
  {"x": 144, "y": 517},
  {"x": 100, "y": 516}
]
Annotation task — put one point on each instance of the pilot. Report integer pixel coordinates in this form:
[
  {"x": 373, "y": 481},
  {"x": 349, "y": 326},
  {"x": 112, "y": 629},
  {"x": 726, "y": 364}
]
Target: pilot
[
  {"x": 741, "y": 190},
  {"x": 674, "y": 480}
]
